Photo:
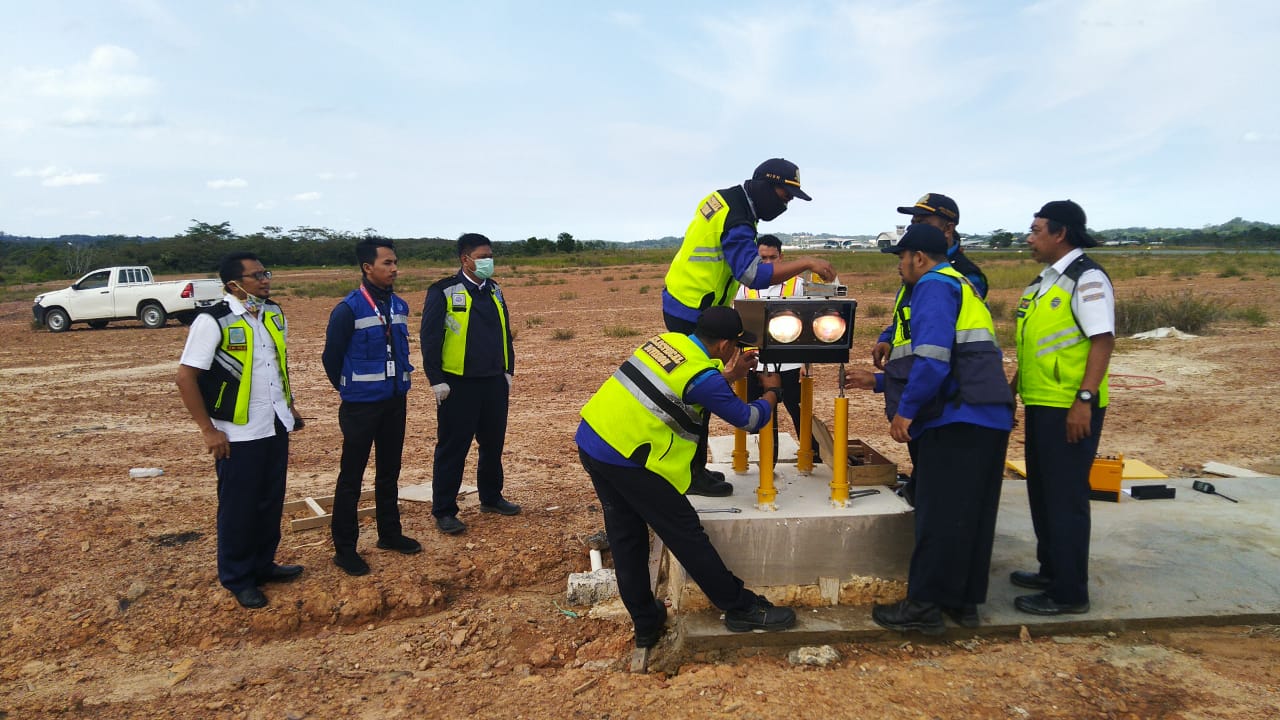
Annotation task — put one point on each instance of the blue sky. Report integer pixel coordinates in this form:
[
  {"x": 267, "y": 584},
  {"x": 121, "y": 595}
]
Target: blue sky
[{"x": 612, "y": 120}]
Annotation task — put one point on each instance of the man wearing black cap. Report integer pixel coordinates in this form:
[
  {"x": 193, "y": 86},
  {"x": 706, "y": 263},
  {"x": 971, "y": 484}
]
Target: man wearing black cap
[
  {"x": 1065, "y": 336},
  {"x": 719, "y": 253},
  {"x": 946, "y": 393},
  {"x": 637, "y": 439},
  {"x": 942, "y": 212}
]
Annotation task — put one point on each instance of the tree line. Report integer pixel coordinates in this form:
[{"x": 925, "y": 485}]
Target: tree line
[{"x": 198, "y": 250}]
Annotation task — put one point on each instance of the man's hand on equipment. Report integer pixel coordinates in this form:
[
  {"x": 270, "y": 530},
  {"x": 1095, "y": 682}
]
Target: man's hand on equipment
[
  {"x": 823, "y": 268},
  {"x": 859, "y": 379},
  {"x": 742, "y": 363},
  {"x": 770, "y": 380},
  {"x": 880, "y": 353},
  {"x": 441, "y": 392},
  {"x": 216, "y": 442}
]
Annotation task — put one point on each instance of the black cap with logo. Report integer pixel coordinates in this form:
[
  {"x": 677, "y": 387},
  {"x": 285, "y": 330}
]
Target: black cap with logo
[
  {"x": 781, "y": 172},
  {"x": 934, "y": 204}
]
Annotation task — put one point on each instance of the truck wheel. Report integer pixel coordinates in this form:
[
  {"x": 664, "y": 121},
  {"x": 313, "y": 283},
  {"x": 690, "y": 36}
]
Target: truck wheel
[
  {"x": 97, "y": 324},
  {"x": 152, "y": 316},
  {"x": 57, "y": 320}
]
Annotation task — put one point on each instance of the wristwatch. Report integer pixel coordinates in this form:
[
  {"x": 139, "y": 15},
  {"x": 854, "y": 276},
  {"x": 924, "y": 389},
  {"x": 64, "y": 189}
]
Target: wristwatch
[{"x": 1085, "y": 396}]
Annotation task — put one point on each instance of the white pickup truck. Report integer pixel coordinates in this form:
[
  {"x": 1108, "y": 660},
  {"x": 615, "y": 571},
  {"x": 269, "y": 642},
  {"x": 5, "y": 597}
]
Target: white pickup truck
[{"x": 125, "y": 293}]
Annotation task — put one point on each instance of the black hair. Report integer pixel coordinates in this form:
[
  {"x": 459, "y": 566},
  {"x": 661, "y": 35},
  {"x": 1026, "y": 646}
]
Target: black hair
[
  {"x": 367, "y": 250},
  {"x": 231, "y": 267},
  {"x": 770, "y": 241},
  {"x": 1075, "y": 234},
  {"x": 470, "y": 241}
]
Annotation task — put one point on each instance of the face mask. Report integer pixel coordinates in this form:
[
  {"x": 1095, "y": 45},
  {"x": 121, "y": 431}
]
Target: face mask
[
  {"x": 251, "y": 302},
  {"x": 765, "y": 199},
  {"x": 484, "y": 268}
]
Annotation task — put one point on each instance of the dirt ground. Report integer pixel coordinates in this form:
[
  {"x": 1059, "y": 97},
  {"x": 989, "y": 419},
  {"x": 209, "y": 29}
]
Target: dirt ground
[{"x": 110, "y": 607}]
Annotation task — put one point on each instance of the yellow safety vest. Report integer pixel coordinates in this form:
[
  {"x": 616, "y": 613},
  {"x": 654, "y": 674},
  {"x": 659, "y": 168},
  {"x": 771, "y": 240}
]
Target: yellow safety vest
[
  {"x": 641, "y": 409},
  {"x": 1052, "y": 349},
  {"x": 225, "y": 386},
  {"x": 453, "y": 353},
  {"x": 699, "y": 277},
  {"x": 788, "y": 289}
]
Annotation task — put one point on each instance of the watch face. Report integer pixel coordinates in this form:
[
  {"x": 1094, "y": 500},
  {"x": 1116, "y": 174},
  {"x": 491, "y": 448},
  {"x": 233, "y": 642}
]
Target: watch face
[{"x": 1085, "y": 395}]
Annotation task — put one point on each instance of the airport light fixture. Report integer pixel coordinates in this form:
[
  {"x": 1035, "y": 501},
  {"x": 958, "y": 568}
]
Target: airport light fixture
[{"x": 800, "y": 329}]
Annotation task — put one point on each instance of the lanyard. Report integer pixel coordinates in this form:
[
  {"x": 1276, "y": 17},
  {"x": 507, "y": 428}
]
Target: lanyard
[{"x": 386, "y": 328}]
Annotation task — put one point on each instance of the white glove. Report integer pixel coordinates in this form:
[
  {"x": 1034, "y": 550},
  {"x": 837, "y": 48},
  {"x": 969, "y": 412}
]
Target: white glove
[
  {"x": 510, "y": 380},
  {"x": 441, "y": 391}
]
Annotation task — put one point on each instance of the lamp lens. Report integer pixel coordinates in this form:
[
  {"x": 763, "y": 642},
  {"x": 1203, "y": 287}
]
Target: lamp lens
[
  {"x": 785, "y": 327},
  {"x": 829, "y": 327}
]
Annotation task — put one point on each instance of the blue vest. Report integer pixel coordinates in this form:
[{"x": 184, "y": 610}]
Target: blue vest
[{"x": 364, "y": 367}]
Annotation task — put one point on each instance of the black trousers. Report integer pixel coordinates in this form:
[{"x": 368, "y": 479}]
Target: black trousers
[
  {"x": 790, "y": 400},
  {"x": 476, "y": 409},
  {"x": 250, "y": 504},
  {"x": 959, "y": 470},
  {"x": 1058, "y": 491},
  {"x": 635, "y": 499},
  {"x": 366, "y": 425}
]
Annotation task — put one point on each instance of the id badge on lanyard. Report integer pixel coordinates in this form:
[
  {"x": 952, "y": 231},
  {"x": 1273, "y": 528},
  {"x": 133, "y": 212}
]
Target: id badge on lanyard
[{"x": 386, "y": 328}]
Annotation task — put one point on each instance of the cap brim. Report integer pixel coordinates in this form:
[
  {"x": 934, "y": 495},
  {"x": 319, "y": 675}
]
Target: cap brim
[
  {"x": 796, "y": 192},
  {"x": 913, "y": 210},
  {"x": 748, "y": 338}
]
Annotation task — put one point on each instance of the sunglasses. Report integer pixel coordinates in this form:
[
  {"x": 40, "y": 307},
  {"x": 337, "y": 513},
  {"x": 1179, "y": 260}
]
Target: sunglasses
[{"x": 259, "y": 276}]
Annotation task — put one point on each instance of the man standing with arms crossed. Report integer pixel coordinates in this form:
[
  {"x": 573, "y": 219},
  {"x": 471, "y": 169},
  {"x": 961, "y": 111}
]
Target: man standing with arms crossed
[
  {"x": 718, "y": 254},
  {"x": 234, "y": 380},
  {"x": 1065, "y": 336},
  {"x": 366, "y": 357},
  {"x": 470, "y": 361}
]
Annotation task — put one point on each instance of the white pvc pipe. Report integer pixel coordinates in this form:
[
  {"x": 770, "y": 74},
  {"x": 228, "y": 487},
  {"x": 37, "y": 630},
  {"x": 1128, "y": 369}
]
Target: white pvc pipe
[{"x": 597, "y": 561}]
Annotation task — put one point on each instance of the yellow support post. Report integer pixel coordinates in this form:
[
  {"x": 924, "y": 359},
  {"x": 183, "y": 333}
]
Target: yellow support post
[
  {"x": 804, "y": 456},
  {"x": 840, "y": 461},
  {"x": 740, "y": 435},
  {"x": 765, "y": 492}
]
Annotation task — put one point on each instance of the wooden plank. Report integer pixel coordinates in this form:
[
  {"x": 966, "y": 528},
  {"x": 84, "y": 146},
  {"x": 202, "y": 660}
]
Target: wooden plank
[{"x": 319, "y": 507}]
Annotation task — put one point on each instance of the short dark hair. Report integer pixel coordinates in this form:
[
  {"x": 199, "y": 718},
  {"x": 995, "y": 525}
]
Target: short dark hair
[
  {"x": 470, "y": 241},
  {"x": 1075, "y": 234},
  {"x": 367, "y": 250},
  {"x": 231, "y": 266},
  {"x": 770, "y": 241}
]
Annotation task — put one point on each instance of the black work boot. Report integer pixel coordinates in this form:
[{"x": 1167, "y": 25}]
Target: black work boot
[{"x": 910, "y": 615}]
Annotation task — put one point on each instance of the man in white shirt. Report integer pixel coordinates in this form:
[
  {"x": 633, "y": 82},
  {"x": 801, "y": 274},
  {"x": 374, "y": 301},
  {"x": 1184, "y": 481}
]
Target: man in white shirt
[
  {"x": 769, "y": 248},
  {"x": 1065, "y": 336},
  {"x": 234, "y": 380}
]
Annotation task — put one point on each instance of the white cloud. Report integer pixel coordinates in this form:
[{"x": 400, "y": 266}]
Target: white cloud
[
  {"x": 307, "y": 196},
  {"x": 231, "y": 183},
  {"x": 330, "y": 175},
  {"x": 65, "y": 179},
  {"x": 265, "y": 205},
  {"x": 108, "y": 73}
]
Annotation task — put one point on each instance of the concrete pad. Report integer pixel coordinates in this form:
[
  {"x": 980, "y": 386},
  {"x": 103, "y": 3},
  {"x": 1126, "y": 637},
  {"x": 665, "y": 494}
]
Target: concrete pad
[
  {"x": 720, "y": 449},
  {"x": 422, "y": 492},
  {"x": 1195, "y": 559},
  {"x": 806, "y": 537}
]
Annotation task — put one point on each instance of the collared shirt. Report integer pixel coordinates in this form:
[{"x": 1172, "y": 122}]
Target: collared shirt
[
  {"x": 266, "y": 390},
  {"x": 1094, "y": 301}
]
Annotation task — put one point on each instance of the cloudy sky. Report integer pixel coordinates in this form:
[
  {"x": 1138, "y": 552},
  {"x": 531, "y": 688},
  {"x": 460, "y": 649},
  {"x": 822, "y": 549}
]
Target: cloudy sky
[{"x": 612, "y": 120}]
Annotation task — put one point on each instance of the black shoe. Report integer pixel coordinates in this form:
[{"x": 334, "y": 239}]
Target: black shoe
[
  {"x": 351, "y": 563},
  {"x": 450, "y": 525},
  {"x": 251, "y": 598},
  {"x": 707, "y": 485},
  {"x": 281, "y": 573},
  {"x": 502, "y": 507},
  {"x": 401, "y": 544},
  {"x": 910, "y": 615},
  {"x": 1042, "y": 604},
  {"x": 715, "y": 475},
  {"x": 1029, "y": 580},
  {"x": 965, "y": 616},
  {"x": 762, "y": 615},
  {"x": 649, "y": 638}
]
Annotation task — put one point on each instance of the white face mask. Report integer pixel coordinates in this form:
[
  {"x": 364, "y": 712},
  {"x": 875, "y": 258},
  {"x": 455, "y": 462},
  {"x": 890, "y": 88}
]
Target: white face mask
[{"x": 484, "y": 268}]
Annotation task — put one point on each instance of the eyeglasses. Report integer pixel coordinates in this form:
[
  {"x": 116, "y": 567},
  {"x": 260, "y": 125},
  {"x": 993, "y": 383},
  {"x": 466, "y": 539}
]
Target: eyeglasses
[{"x": 259, "y": 276}]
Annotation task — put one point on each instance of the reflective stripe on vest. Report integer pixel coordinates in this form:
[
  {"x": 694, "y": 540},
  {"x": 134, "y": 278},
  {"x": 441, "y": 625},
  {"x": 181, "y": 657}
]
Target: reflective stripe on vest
[
  {"x": 976, "y": 374},
  {"x": 453, "y": 354},
  {"x": 699, "y": 277},
  {"x": 788, "y": 289},
  {"x": 364, "y": 365},
  {"x": 1052, "y": 349},
  {"x": 641, "y": 408}
]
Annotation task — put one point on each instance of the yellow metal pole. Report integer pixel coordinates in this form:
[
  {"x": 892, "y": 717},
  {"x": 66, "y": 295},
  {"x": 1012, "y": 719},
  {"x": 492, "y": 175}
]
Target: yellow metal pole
[
  {"x": 740, "y": 435},
  {"x": 840, "y": 463},
  {"x": 804, "y": 456},
  {"x": 766, "y": 493}
]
